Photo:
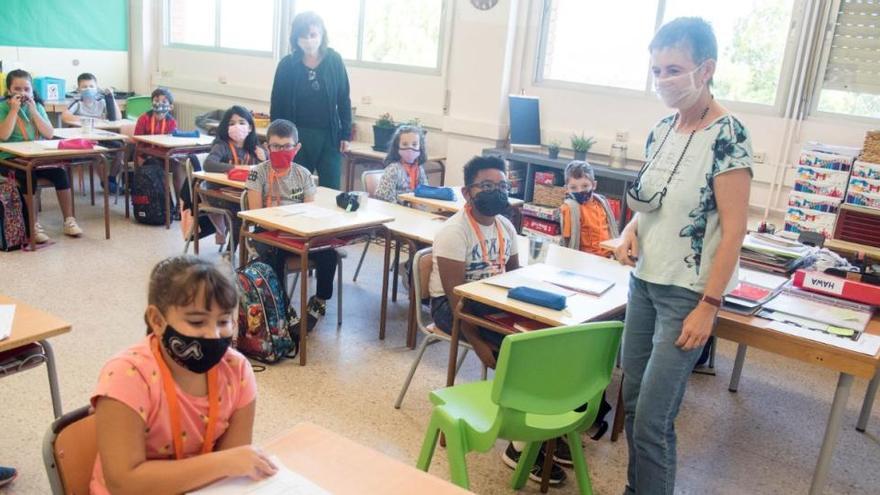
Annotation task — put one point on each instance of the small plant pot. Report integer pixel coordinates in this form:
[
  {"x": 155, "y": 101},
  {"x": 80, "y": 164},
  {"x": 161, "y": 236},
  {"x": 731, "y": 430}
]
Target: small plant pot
[
  {"x": 382, "y": 137},
  {"x": 580, "y": 155},
  {"x": 553, "y": 153}
]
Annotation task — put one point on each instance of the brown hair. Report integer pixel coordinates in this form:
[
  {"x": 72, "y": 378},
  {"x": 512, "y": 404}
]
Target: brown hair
[
  {"x": 175, "y": 281},
  {"x": 577, "y": 169}
]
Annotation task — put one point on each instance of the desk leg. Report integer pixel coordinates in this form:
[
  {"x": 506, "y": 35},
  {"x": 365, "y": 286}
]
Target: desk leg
[
  {"x": 92, "y": 182},
  {"x": 168, "y": 181},
  {"x": 383, "y": 311},
  {"x": 396, "y": 269},
  {"x": 737, "y": 367},
  {"x": 242, "y": 244},
  {"x": 832, "y": 430},
  {"x": 125, "y": 178},
  {"x": 53, "y": 378},
  {"x": 32, "y": 213},
  {"x": 105, "y": 169},
  {"x": 870, "y": 395},
  {"x": 303, "y": 303},
  {"x": 453, "y": 344},
  {"x": 413, "y": 304},
  {"x": 349, "y": 173},
  {"x": 619, "y": 415},
  {"x": 195, "y": 196}
]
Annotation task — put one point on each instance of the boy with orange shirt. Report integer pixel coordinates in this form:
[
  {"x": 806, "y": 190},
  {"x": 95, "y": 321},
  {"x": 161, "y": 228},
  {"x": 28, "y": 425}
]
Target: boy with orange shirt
[{"x": 587, "y": 219}]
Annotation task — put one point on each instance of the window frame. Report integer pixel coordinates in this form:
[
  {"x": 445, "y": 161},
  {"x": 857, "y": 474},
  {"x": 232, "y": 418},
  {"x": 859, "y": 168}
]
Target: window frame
[{"x": 216, "y": 48}]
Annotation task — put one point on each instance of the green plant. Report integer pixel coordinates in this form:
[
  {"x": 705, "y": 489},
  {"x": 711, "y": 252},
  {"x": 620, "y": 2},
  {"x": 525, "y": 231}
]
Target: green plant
[
  {"x": 554, "y": 145},
  {"x": 415, "y": 121},
  {"x": 581, "y": 143},
  {"x": 386, "y": 120}
]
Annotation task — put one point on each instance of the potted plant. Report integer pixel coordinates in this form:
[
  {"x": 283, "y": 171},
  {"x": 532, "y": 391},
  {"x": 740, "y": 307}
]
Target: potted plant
[
  {"x": 383, "y": 130},
  {"x": 581, "y": 145},
  {"x": 553, "y": 149}
]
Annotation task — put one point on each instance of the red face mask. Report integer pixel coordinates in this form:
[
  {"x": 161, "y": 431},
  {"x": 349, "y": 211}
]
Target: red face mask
[{"x": 281, "y": 160}]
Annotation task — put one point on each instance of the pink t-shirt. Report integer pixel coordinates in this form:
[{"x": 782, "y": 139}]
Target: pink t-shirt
[{"x": 133, "y": 378}]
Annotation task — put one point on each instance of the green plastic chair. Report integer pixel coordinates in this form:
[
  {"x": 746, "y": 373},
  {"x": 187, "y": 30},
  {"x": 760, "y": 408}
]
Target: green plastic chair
[
  {"x": 541, "y": 379},
  {"x": 136, "y": 106}
]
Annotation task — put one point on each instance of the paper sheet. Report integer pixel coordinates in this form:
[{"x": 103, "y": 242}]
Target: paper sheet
[
  {"x": 285, "y": 482},
  {"x": 513, "y": 279},
  {"x": 305, "y": 210},
  {"x": 866, "y": 344},
  {"x": 818, "y": 311},
  {"x": 7, "y": 313}
]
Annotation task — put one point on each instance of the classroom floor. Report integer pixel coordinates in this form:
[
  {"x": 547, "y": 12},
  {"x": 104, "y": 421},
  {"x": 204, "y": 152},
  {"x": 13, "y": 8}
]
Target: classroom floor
[{"x": 762, "y": 440}]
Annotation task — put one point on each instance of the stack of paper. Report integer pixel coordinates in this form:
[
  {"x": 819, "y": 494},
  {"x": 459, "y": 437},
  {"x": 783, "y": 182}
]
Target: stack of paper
[
  {"x": 754, "y": 289},
  {"x": 818, "y": 313},
  {"x": 7, "y": 313},
  {"x": 284, "y": 482},
  {"x": 772, "y": 253}
]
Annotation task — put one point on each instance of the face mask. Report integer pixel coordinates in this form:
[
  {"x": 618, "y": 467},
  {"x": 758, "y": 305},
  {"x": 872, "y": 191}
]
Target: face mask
[
  {"x": 196, "y": 354},
  {"x": 581, "y": 196},
  {"x": 239, "y": 132},
  {"x": 679, "y": 91},
  {"x": 491, "y": 203},
  {"x": 281, "y": 160},
  {"x": 409, "y": 156},
  {"x": 161, "y": 109},
  {"x": 89, "y": 94},
  {"x": 310, "y": 45}
]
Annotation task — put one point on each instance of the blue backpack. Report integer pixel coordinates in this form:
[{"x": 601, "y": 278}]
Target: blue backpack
[{"x": 263, "y": 326}]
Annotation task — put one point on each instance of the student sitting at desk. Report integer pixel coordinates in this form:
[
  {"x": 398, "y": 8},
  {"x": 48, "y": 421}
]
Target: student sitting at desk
[
  {"x": 175, "y": 411},
  {"x": 281, "y": 181},
  {"x": 404, "y": 164},
  {"x": 159, "y": 121},
  {"x": 586, "y": 215},
  {"x": 95, "y": 103},
  {"x": 23, "y": 118},
  {"x": 236, "y": 145}
]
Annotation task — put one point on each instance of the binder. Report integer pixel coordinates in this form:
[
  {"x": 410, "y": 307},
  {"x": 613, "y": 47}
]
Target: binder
[{"x": 838, "y": 287}]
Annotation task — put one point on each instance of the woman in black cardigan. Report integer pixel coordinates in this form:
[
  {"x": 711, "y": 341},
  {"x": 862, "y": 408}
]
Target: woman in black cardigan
[{"x": 311, "y": 90}]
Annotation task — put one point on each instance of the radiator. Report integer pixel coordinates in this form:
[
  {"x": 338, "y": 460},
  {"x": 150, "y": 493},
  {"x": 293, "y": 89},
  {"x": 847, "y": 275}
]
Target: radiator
[{"x": 186, "y": 113}]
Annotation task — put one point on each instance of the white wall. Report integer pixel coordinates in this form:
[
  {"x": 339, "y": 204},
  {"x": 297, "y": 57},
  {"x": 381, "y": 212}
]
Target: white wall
[{"x": 110, "y": 67}]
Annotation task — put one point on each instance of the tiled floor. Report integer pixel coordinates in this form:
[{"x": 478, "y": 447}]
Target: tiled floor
[{"x": 764, "y": 439}]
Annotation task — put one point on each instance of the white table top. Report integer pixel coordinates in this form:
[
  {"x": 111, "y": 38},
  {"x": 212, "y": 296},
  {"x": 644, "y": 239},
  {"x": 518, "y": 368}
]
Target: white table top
[
  {"x": 441, "y": 205},
  {"x": 169, "y": 141},
  {"x": 95, "y": 135},
  {"x": 43, "y": 148}
]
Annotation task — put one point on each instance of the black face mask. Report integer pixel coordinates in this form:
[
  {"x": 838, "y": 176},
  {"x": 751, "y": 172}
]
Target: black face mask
[
  {"x": 491, "y": 203},
  {"x": 581, "y": 197},
  {"x": 196, "y": 354}
]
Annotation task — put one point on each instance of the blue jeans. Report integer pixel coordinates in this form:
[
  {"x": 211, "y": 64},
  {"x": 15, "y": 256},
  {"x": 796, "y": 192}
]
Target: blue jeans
[{"x": 655, "y": 373}]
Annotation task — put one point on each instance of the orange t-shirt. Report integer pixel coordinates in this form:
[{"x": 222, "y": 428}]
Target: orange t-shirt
[{"x": 593, "y": 227}]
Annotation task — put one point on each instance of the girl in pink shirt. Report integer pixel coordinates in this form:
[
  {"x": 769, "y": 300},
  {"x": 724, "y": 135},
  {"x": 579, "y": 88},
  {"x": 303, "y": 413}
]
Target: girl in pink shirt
[{"x": 176, "y": 411}]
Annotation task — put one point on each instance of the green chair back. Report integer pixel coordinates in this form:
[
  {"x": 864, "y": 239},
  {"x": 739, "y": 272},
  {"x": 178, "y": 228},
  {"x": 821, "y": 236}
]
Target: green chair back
[{"x": 136, "y": 106}]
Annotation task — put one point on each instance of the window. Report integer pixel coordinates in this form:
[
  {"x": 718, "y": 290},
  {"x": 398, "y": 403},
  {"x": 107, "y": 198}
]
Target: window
[
  {"x": 752, "y": 41},
  {"x": 393, "y": 32},
  {"x": 223, "y": 24},
  {"x": 851, "y": 83}
]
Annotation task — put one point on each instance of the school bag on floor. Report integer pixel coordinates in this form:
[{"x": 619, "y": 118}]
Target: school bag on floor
[
  {"x": 148, "y": 192},
  {"x": 13, "y": 234},
  {"x": 263, "y": 326}
]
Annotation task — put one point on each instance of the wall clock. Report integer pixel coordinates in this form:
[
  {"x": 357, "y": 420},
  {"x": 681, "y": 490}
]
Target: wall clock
[{"x": 484, "y": 4}]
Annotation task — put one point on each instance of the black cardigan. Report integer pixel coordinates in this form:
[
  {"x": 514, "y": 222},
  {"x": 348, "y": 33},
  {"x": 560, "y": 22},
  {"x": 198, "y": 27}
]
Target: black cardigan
[{"x": 291, "y": 71}]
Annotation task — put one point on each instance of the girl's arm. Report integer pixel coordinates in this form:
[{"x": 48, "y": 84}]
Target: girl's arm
[
  {"x": 44, "y": 127},
  {"x": 241, "y": 428},
  {"x": 126, "y": 470},
  {"x": 8, "y": 123},
  {"x": 68, "y": 117}
]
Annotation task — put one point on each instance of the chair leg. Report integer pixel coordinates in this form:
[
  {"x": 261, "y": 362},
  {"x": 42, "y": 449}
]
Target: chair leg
[
  {"x": 484, "y": 372},
  {"x": 580, "y": 462},
  {"x": 455, "y": 450},
  {"x": 461, "y": 360},
  {"x": 524, "y": 466},
  {"x": 412, "y": 369},
  {"x": 428, "y": 445},
  {"x": 338, "y": 291},
  {"x": 361, "y": 262}
]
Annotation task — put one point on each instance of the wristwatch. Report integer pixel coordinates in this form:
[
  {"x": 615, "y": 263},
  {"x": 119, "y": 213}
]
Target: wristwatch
[{"x": 712, "y": 301}]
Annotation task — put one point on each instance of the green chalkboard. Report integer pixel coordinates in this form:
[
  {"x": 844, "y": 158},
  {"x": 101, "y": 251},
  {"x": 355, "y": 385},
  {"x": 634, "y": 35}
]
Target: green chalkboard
[{"x": 87, "y": 24}]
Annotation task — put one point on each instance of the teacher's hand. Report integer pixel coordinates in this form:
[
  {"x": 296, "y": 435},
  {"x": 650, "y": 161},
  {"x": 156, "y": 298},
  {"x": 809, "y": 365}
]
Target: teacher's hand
[
  {"x": 697, "y": 327},
  {"x": 344, "y": 146},
  {"x": 627, "y": 253}
]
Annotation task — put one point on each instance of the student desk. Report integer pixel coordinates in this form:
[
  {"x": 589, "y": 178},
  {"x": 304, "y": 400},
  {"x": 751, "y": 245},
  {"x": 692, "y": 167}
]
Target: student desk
[
  {"x": 324, "y": 223},
  {"x": 97, "y": 134},
  {"x": 31, "y": 155},
  {"x": 581, "y": 307},
  {"x": 167, "y": 147},
  {"x": 216, "y": 178},
  {"x": 59, "y": 106},
  {"x": 364, "y": 155},
  {"x": 33, "y": 327},
  {"x": 447, "y": 206},
  {"x": 108, "y": 125},
  {"x": 319, "y": 454}
]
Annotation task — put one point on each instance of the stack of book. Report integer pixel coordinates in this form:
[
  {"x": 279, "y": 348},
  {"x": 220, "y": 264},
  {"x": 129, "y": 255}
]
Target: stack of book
[
  {"x": 771, "y": 253},
  {"x": 821, "y": 178},
  {"x": 753, "y": 291},
  {"x": 864, "y": 185}
]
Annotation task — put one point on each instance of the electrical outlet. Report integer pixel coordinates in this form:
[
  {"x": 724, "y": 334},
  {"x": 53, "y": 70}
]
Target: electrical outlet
[
  {"x": 367, "y": 100},
  {"x": 621, "y": 136},
  {"x": 759, "y": 157},
  {"x": 222, "y": 79}
]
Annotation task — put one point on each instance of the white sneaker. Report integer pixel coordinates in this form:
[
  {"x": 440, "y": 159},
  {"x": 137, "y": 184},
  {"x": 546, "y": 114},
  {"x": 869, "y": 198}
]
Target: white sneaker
[
  {"x": 71, "y": 228},
  {"x": 41, "y": 237}
]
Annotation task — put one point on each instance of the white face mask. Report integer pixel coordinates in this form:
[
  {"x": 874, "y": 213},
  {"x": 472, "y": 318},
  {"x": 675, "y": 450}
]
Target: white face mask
[
  {"x": 310, "y": 45},
  {"x": 679, "y": 91}
]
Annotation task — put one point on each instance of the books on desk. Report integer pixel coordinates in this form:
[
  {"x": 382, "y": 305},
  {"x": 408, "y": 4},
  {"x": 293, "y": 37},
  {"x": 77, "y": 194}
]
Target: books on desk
[
  {"x": 754, "y": 289},
  {"x": 767, "y": 252},
  {"x": 565, "y": 282}
]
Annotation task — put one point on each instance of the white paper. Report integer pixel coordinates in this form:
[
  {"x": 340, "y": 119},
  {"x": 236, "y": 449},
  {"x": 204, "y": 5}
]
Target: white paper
[
  {"x": 285, "y": 482},
  {"x": 7, "y": 313},
  {"x": 513, "y": 279},
  {"x": 866, "y": 344},
  {"x": 819, "y": 311},
  {"x": 306, "y": 210}
]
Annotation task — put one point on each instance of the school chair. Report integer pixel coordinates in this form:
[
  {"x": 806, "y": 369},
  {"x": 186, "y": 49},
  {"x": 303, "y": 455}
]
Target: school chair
[
  {"x": 135, "y": 106},
  {"x": 422, "y": 266},
  {"x": 370, "y": 179},
  {"x": 548, "y": 383},
  {"x": 206, "y": 209},
  {"x": 70, "y": 448}
]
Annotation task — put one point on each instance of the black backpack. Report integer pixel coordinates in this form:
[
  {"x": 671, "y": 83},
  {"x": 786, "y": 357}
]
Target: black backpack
[{"x": 148, "y": 192}]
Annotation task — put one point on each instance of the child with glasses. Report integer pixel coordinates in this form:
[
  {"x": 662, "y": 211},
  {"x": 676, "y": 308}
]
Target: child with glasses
[
  {"x": 404, "y": 169},
  {"x": 279, "y": 182}
]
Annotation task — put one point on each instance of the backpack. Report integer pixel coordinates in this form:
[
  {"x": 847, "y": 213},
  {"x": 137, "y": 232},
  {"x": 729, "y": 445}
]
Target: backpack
[
  {"x": 148, "y": 192},
  {"x": 263, "y": 327},
  {"x": 13, "y": 232}
]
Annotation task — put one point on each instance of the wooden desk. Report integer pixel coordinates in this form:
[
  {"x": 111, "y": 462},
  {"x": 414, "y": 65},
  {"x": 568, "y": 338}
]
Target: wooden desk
[
  {"x": 31, "y": 155},
  {"x": 33, "y": 326},
  {"x": 364, "y": 155},
  {"x": 98, "y": 134},
  {"x": 851, "y": 248},
  {"x": 447, "y": 206},
  {"x": 59, "y": 106},
  {"x": 581, "y": 307},
  {"x": 752, "y": 331},
  {"x": 218, "y": 179},
  {"x": 167, "y": 147},
  {"x": 318, "y": 454},
  {"x": 309, "y": 232},
  {"x": 108, "y": 125}
]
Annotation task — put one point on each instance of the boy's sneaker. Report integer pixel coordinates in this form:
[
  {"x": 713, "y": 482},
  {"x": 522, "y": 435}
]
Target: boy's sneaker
[
  {"x": 563, "y": 453},
  {"x": 41, "y": 236},
  {"x": 7, "y": 475},
  {"x": 511, "y": 458},
  {"x": 315, "y": 310},
  {"x": 71, "y": 228}
]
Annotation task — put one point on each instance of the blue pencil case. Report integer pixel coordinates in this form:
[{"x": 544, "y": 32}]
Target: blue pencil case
[
  {"x": 538, "y": 297},
  {"x": 185, "y": 134},
  {"x": 432, "y": 192}
]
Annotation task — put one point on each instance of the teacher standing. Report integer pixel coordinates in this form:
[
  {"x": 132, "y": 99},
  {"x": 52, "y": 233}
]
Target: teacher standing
[
  {"x": 311, "y": 90},
  {"x": 691, "y": 199}
]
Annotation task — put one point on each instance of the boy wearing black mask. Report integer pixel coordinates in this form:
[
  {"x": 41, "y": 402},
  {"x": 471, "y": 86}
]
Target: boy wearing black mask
[{"x": 587, "y": 219}]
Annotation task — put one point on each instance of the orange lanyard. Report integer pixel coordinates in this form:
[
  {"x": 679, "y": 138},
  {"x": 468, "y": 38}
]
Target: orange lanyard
[
  {"x": 484, "y": 245},
  {"x": 153, "y": 125},
  {"x": 274, "y": 178},
  {"x": 22, "y": 127},
  {"x": 174, "y": 406},
  {"x": 413, "y": 171},
  {"x": 235, "y": 160}
]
